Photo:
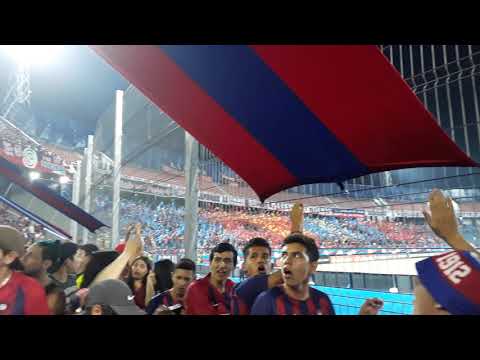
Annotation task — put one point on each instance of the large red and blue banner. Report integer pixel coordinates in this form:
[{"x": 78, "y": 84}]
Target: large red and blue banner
[{"x": 287, "y": 115}]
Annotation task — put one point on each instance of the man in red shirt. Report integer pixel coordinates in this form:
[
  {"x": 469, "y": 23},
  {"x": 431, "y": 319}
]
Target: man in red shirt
[
  {"x": 19, "y": 293},
  {"x": 212, "y": 294}
]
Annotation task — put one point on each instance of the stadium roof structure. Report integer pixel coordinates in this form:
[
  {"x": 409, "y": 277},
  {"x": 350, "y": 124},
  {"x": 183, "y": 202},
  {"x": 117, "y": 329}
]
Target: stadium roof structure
[{"x": 288, "y": 115}]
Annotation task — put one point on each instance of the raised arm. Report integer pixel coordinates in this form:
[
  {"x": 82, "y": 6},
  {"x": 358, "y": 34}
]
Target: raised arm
[
  {"x": 133, "y": 248},
  {"x": 296, "y": 218},
  {"x": 443, "y": 223}
]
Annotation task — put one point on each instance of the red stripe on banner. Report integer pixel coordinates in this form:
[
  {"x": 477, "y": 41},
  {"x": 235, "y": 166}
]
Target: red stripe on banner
[
  {"x": 163, "y": 82},
  {"x": 364, "y": 101},
  {"x": 280, "y": 305}
]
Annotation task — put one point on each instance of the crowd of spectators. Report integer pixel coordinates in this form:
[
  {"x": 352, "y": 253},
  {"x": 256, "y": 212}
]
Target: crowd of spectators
[{"x": 163, "y": 225}]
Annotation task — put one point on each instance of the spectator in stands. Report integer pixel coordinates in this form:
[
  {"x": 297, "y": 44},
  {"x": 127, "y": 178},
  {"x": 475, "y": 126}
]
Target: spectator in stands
[
  {"x": 295, "y": 296},
  {"x": 63, "y": 273},
  {"x": 258, "y": 265},
  {"x": 19, "y": 293},
  {"x": 40, "y": 258},
  {"x": 141, "y": 281},
  {"x": 111, "y": 297},
  {"x": 257, "y": 254},
  {"x": 212, "y": 294},
  {"x": 163, "y": 275},
  {"x": 181, "y": 277},
  {"x": 37, "y": 262},
  {"x": 81, "y": 260}
]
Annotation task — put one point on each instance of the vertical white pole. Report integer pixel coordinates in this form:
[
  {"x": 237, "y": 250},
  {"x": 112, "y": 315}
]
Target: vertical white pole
[
  {"x": 117, "y": 163},
  {"x": 75, "y": 199},
  {"x": 191, "y": 196},
  {"x": 88, "y": 183}
]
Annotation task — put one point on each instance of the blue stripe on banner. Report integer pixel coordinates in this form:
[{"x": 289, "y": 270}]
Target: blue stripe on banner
[{"x": 237, "y": 79}]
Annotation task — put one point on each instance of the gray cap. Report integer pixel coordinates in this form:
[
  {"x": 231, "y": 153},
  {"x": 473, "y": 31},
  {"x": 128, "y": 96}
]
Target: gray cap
[
  {"x": 116, "y": 294},
  {"x": 12, "y": 240}
]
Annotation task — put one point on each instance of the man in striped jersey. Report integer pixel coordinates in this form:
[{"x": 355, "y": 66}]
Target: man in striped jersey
[
  {"x": 182, "y": 276},
  {"x": 295, "y": 297}
]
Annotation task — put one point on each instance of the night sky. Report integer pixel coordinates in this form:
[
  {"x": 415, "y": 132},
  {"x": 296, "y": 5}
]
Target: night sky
[{"x": 69, "y": 93}]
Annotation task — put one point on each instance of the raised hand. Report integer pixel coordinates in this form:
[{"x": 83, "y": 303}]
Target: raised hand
[
  {"x": 134, "y": 247},
  {"x": 442, "y": 215},
  {"x": 371, "y": 307},
  {"x": 296, "y": 217}
]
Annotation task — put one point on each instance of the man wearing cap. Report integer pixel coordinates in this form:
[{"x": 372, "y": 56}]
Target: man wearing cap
[
  {"x": 63, "y": 275},
  {"x": 19, "y": 293},
  {"x": 111, "y": 297}
]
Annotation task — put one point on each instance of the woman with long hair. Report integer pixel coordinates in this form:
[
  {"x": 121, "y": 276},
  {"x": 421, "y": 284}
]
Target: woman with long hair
[
  {"x": 141, "y": 281},
  {"x": 163, "y": 275}
]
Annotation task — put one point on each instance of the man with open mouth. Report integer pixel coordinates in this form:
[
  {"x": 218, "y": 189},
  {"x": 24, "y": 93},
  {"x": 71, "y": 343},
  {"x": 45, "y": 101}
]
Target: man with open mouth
[
  {"x": 212, "y": 294},
  {"x": 258, "y": 266},
  {"x": 295, "y": 297}
]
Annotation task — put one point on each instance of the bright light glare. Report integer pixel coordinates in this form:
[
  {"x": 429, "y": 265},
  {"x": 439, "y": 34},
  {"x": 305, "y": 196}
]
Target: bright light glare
[
  {"x": 28, "y": 55},
  {"x": 64, "y": 179},
  {"x": 34, "y": 175}
]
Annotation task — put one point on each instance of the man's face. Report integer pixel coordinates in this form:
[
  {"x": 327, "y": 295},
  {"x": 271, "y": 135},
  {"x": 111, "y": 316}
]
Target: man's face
[
  {"x": 33, "y": 263},
  {"x": 296, "y": 266},
  {"x": 80, "y": 261},
  {"x": 257, "y": 261},
  {"x": 221, "y": 265},
  {"x": 139, "y": 270},
  {"x": 425, "y": 304},
  {"x": 181, "y": 278}
]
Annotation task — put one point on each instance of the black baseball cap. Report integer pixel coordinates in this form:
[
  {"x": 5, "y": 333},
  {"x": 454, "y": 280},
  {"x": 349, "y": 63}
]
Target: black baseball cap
[{"x": 116, "y": 294}]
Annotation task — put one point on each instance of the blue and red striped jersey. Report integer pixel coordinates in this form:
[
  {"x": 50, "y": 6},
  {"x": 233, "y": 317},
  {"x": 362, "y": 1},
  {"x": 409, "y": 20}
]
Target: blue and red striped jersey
[
  {"x": 276, "y": 302},
  {"x": 246, "y": 292}
]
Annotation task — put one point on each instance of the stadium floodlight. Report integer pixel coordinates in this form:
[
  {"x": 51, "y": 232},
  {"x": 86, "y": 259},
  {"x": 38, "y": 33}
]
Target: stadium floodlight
[
  {"x": 29, "y": 55},
  {"x": 33, "y": 175},
  {"x": 64, "y": 180}
]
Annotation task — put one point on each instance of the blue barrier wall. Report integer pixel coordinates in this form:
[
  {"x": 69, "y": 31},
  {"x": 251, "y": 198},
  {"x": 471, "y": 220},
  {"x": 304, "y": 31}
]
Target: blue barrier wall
[{"x": 348, "y": 301}]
